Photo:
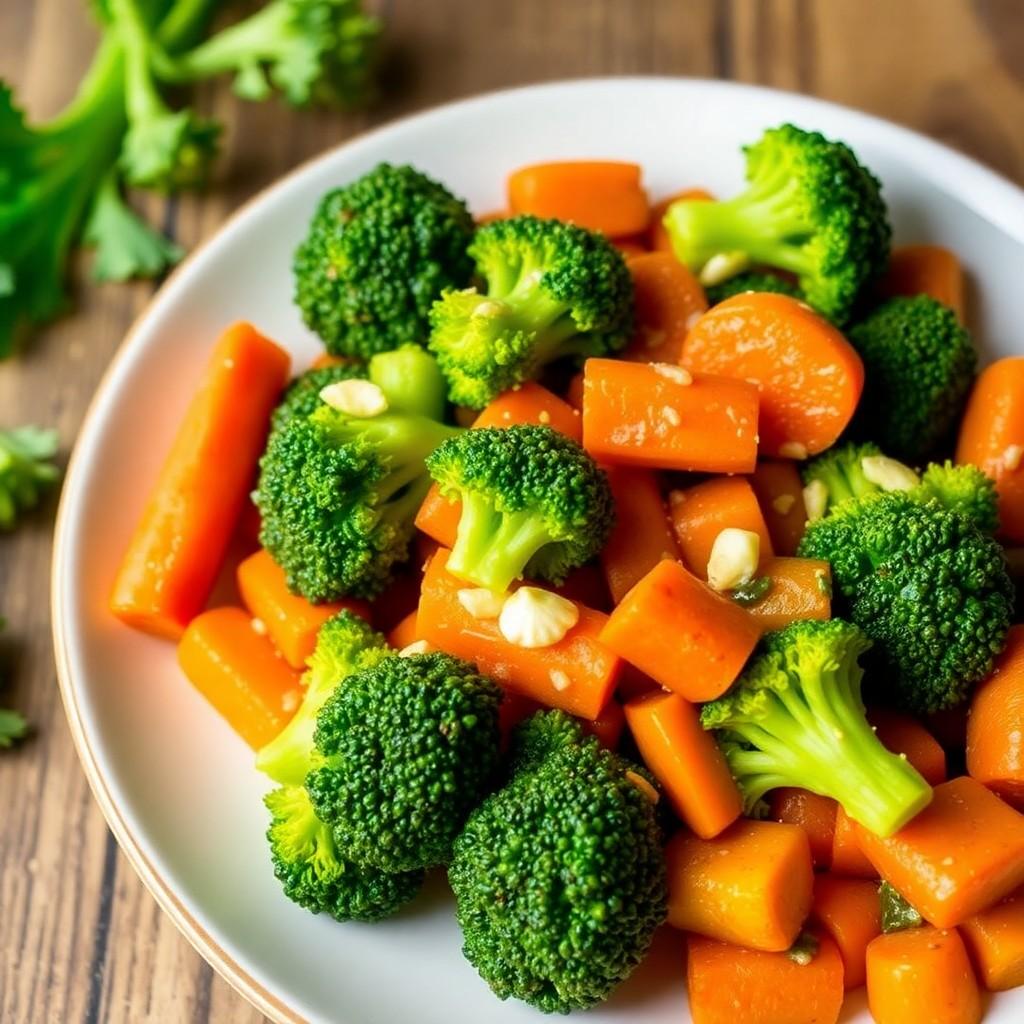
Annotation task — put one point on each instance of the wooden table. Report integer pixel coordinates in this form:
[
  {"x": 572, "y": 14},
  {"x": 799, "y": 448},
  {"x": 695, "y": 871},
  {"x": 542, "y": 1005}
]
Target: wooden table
[{"x": 80, "y": 939}]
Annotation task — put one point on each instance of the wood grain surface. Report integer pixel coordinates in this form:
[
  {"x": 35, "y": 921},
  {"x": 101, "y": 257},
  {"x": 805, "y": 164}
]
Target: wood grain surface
[{"x": 80, "y": 939}]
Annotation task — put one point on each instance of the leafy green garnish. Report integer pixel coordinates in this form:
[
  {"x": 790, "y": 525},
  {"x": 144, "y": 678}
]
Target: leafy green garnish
[
  {"x": 748, "y": 594},
  {"x": 25, "y": 470}
]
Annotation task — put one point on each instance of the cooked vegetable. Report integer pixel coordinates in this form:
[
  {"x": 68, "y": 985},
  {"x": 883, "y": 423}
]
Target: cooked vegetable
[
  {"x": 925, "y": 270},
  {"x": 26, "y": 471},
  {"x": 551, "y": 291},
  {"x": 897, "y": 913},
  {"x": 378, "y": 251},
  {"x": 796, "y": 589},
  {"x": 657, "y": 234},
  {"x": 609, "y": 725},
  {"x": 302, "y": 398},
  {"x": 411, "y": 380},
  {"x": 795, "y": 718},
  {"x": 751, "y": 281},
  {"x": 925, "y": 585},
  {"x": 995, "y": 940},
  {"x": 907, "y": 737},
  {"x": 847, "y": 857},
  {"x": 668, "y": 298},
  {"x": 13, "y": 726},
  {"x": 847, "y": 909},
  {"x": 532, "y": 405},
  {"x": 779, "y": 491},
  {"x": 810, "y": 208},
  {"x": 404, "y": 633},
  {"x": 815, "y": 814}
]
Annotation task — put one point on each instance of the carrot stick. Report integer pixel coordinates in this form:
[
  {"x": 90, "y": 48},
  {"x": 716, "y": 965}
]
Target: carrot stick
[
  {"x": 925, "y": 270},
  {"x": 961, "y": 854},
  {"x": 608, "y": 726},
  {"x": 661, "y": 417},
  {"x": 238, "y": 671},
  {"x": 847, "y": 857},
  {"x": 577, "y": 674},
  {"x": 641, "y": 537},
  {"x": 848, "y": 909},
  {"x": 815, "y": 814},
  {"x": 404, "y": 633},
  {"x": 921, "y": 975},
  {"x": 992, "y": 438},
  {"x": 681, "y": 633},
  {"x": 657, "y": 235},
  {"x": 809, "y": 375},
  {"x": 700, "y": 513},
  {"x": 995, "y": 941},
  {"x": 751, "y": 885},
  {"x": 905, "y": 735},
  {"x": 603, "y": 195},
  {"x": 175, "y": 553},
  {"x": 686, "y": 760},
  {"x": 995, "y": 728},
  {"x": 800, "y": 588},
  {"x": 574, "y": 392},
  {"x": 668, "y": 300},
  {"x": 780, "y": 492},
  {"x": 291, "y": 621}
]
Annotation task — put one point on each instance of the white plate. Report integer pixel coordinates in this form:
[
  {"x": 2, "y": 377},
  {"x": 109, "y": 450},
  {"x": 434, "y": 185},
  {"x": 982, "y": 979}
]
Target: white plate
[{"x": 178, "y": 788}]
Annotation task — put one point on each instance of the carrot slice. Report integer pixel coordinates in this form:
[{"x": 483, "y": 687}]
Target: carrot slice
[
  {"x": 815, "y": 814},
  {"x": 668, "y": 300},
  {"x": 992, "y": 438},
  {"x": 404, "y": 633},
  {"x": 729, "y": 984},
  {"x": 925, "y": 270},
  {"x": 751, "y": 885},
  {"x": 438, "y": 517},
  {"x": 921, "y": 974},
  {"x": 905, "y": 735},
  {"x": 661, "y": 417},
  {"x": 847, "y": 856},
  {"x": 641, "y": 537},
  {"x": 686, "y": 760},
  {"x": 603, "y": 195},
  {"x": 238, "y": 671},
  {"x": 608, "y": 726},
  {"x": 848, "y": 909},
  {"x": 995, "y": 727},
  {"x": 175, "y": 553},
  {"x": 681, "y": 633},
  {"x": 799, "y": 589},
  {"x": 701, "y": 513},
  {"x": 995, "y": 941},
  {"x": 577, "y": 674},
  {"x": 780, "y": 492},
  {"x": 961, "y": 854},
  {"x": 809, "y": 375},
  {"x": 657, "y": 234}
]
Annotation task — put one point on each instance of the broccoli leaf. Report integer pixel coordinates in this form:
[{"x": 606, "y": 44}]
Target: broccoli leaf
[
  {"x": 24, "y": 470},
  {"x": 12, "y": 727}
]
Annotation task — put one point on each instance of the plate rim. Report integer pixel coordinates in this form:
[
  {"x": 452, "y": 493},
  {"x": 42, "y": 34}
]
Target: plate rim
[{"x": 998, "y": 190}]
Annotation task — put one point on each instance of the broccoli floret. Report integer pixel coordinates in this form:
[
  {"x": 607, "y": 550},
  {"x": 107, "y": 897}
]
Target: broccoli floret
[
  {"x": 810, "y": 208},
  {"x": 344, "y": 645},
  {"x": 25, "y": 470},
  {"x": 926, "y": 585},
  {"x": 795, "y": 718},
  {"x": 302, "y": 398},
  {"x": 552, "y": 290},
  {"x": 919, "y": 364},
  {"x": 540, "y": 736},
  {"x": 316, "y": 876},
  {"x": 378, "y": 252},
  {"x": 337, "y": 496},
  {"x": 751, "y": 281},
  {"x": 559, "y": 880},
  {"x": 412, "y": 381},
  {"x": 409, "y": 748},
  {"x": 533, "y": 502},
  {"x": 965, "y": 489}
]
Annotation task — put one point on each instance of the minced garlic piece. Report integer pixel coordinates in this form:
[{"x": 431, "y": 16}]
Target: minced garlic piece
[
  {"x": 793, "y": 450},
  {"x": 533, "y": 617},
  {"x": 559, "y": 680},
  {"x": 671, "y": 416},
  {"x": 1012, "y": 455},
  {"x": 482, "y": 603},
  {"x": 815, "y": 500},
  {"x": 889, "y": 474},
  {"x": 673, "y": 373},
  {"x": 416, "y": 647},
  {"x": 359, "y": 398},
  {"x": 258, "y": 626},
  {"x": 722, "y": 266},
  {"x": 784, "y": 503},
  {"x": 734, "y": 558}
]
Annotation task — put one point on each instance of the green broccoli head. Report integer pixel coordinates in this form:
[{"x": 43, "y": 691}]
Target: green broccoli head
[
  {"x": 533, "y": 502},
  {"x": 412, "y": 381},
  {"x": 964, "y": 489},
  {"x": 346, "y": 644},
  {"x": 839, "y": 473},
  {"x": 751, "y": 281},
  {"x": 795, "y": 718},
  {"x": 409, "y": 747},
  {"x": 302, "y": 397},
  {"x": 337, "y": 496},
  {"x": 541, "y": 736},
  {"x": 377, "y": 254},
  {"x": 26, "y": 471},
  {"x": 551, "y": 290},
  {"x": 559, "y": 880},
  {"x": 919, "y": 364},
  {"x": 926, "y": 585},
  {"x": 316, "y": 876},
  {"x": 810, "y": 208}
]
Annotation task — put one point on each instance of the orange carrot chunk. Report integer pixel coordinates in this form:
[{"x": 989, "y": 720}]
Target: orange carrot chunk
[
  {"x": 678, "y": 631},
  {"x": 641, "y": 537},
  {"x": 995, "y": 941},
  {"x": 700, "y": 513},
  {"x": 603, "y": 195},
  {"x": 176, "y": 551},
  {"x": 798, "y": 589},
  {"x": 438, "y": 517},
  {"x": 921, "y": 975},
  {"x": 608, "y": 726},
  {"x": 292, "y": 622},
  {"x": 404, "y": 633},
  {"x": 847, "y": 857},
  {"x": 238, "y": 671},
  {"x": 577, "y": 674},
  {"x": 657, "y": 235},
  {"x": 810, "y": 377},
  {"x": 780, "y": 492},
  {"x": 905, "y": 735},
  {"x": 751, "y": 885},
  {"x": 686, "y": 760},
  {"x": 662, "y": 417},
  {"x": 815, "y": 814},
  {"x": 849, "y": 910},
  {"x": 668, "y": 300},
  {"x": 961, "y": 854},
  {"x": 729, "y": 985},
  {"x": 992, "y": 438},
  {"x": 925, "y": 270},
  {"x": 995, "y": 727}
]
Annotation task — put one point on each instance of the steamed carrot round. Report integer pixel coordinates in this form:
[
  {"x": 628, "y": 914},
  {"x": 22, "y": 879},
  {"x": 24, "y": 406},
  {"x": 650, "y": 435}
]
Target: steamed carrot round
[
  {"x": 657, "y": 234},
  {"x": 815, "y": 814},
  {"x": 995, "y": 941},
  {"x": 925, "y": 270},
  {"x": 668, "y": 300},
  {"x": 849, "y": 910},
  {"x": 809, "y": 376},
  {"x": 404, "y": 633},
  {"x": 780, "y": 493}
]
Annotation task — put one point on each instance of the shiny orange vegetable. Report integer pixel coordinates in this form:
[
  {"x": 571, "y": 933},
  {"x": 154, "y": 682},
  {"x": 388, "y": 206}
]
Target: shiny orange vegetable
[
  {"x": 849, "y": 910},
  {"x": 800, "y": 588},
  {"x": 995, "y": 941},
  {"x": 815, "y": 814},
  {"x": 925, "y": 270},
  {"x": 780, "y": 492},
  {"x": 668, "y": 300}
]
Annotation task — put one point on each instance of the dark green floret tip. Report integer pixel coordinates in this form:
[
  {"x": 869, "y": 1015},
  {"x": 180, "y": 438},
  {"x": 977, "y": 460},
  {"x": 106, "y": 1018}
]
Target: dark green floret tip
[{"x": 540, "y": 736}]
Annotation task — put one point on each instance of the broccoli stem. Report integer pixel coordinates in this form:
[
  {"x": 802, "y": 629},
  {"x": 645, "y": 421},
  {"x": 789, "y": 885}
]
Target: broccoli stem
[
  {"x": 143, "y": 101},
  {"x": 844, "y": 480}
]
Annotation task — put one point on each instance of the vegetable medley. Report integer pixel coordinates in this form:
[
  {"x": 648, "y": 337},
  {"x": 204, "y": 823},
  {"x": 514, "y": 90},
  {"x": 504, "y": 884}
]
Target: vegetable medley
[{"x": 633, "y": 564}]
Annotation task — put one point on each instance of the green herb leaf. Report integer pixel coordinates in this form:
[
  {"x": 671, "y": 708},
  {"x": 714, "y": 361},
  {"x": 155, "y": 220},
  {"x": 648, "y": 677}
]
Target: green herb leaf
[
  {"x": 25, "y": 472},
  {"x": 751, "y": 593},
  {"x": 804, "y": 950},
  {"x": 897, "y": 913}
]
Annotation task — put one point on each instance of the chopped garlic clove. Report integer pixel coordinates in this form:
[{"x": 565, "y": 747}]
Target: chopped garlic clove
[
  {"x": 1012, "y": 455},
  {"x": 482, "y": 603},
  {"x": 815, "y": 500},
  {"x": 644, "y": 786},
  {"x": 416, "y": 647},
  {"x": 677, "y": 374},
  {"x": 793, "y": 450},
  {"x": 734, "y": 558},
  {"x": 889, "y": 474},
  {"x": 722, "y": 266},
  {"x": 359, "y": 398},
  {"x": 533, "y": 618},
  {"x": 783, "y": 504}
]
